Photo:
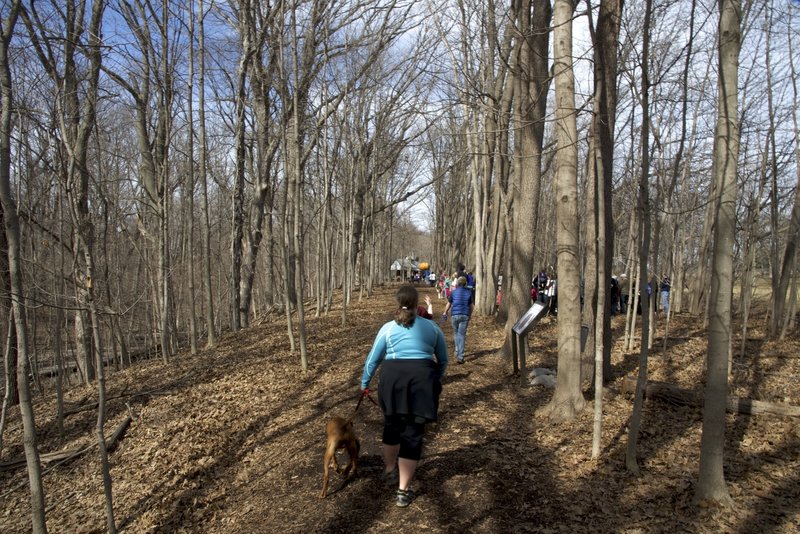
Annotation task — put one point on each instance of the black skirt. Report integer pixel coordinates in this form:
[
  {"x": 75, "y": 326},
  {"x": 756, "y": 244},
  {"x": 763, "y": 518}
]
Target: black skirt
[{"x": 410, "y": 388}]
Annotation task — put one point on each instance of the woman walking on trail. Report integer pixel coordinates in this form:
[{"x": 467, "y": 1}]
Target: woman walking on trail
[
  {"x": 413, "y": 355},
  {"x": 461, "y": 302}
]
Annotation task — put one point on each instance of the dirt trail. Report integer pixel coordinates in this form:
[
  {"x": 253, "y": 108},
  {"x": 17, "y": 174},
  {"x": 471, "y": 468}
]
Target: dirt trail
[{"x": 231, "y": 440}]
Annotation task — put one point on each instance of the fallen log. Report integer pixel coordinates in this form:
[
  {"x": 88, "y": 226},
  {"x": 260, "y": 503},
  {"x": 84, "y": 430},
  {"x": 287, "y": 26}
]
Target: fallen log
[
  {"x": 70, "y": 454},
  {"x": 673, "y": 394}
]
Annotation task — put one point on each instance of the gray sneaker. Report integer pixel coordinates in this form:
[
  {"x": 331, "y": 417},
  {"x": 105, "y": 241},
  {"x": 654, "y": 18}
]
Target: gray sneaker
[{"x": 404, "y": 497}]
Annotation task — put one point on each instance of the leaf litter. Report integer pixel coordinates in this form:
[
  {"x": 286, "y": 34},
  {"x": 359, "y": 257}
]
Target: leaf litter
[{"x": 232, "y": 440}]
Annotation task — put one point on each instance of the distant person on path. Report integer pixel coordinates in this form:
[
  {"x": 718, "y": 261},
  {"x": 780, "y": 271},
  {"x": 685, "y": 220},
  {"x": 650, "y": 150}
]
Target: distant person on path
[
  {"x": 440, "y": 286},
  {"x": 470, "y": 280},
  {"x": 615, "y": 295},
  {"x": 413, "y": 355},
  {"x": 665, "y": 287},
  {"x": 541, "y": 279},
  {"x": 552, "y": 294},
  {"x": 466, "y": 273},
  {"x": 624, "y": 287},
  {"x": 461, "y": 302}
]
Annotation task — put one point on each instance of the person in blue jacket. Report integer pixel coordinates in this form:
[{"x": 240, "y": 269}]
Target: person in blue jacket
[
  {"x": 412, "y": 354},
  {"x": 460, "y": 304}
]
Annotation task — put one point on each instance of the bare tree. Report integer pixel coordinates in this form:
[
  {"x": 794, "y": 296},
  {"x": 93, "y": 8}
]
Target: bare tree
[
  {"x": 711, "y": 478},
  {"x": 481, "y": 59},
  {"x": 261, "y": 204},
  {"x": 208, "y": 290},
  {"x": 150, "y": 82},
  {"x": 13, "y": 238},
  {"x": 532, "y": 82},
  {"x": 644, "y": 246},
  {"x": 190, "y": 187},
  {"x": 76, "y": 122},
  {"x": 780, "y": 318},
  {"x": 248, "y": 49},
  {"x": 605, "y": 38},
  {"x": 567, "y": 399}
]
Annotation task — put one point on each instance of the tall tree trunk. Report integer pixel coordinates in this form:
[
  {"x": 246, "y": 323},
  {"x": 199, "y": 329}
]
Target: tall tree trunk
[
  {"x": 189, "y": 188},
  {"x": 262, "y": 202},
  {"x": 779, "y": 316},
  {"x": 10, "y": 352},
  {"x": 295, "y": 169},
  {"x": 789, "y": 323},
  {"x": 12, "y": 238},
  {"x": 711, "y": 477},
  {"x": 486, "y": 123},
  {"x": 237, "y": 234},
  {"x": 532, "y": 81},
  {"x": 567, "y": 399},
  {"x": 606, "y": 41},
  {"x": 208, "y": 288},
  {"x": 644, "y": 248}
]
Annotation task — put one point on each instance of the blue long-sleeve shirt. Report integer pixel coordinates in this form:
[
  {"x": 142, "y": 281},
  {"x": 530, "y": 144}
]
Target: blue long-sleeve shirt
[{"x": 421, "y": 341}]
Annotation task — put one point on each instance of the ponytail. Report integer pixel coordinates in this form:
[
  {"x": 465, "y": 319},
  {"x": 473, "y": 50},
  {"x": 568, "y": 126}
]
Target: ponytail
[{"x": 407, "y": 299}]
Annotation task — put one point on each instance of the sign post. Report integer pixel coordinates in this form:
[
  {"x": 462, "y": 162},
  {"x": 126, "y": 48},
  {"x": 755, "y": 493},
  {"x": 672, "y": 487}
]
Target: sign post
[{"x": 519, "y": 337}]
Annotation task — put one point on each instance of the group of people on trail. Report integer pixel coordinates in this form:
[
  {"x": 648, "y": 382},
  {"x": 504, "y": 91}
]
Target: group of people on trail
[
  {"x": 544, "y": 289},
  {"x": 412, "y": 353},
  {"x": 619, "y": 294}
]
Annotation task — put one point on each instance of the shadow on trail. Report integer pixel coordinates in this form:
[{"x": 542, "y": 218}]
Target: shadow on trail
[
  {"x": 483, "y": 468},
  {"x": 782, "y": 500},
  {"x": 197, "y": 487},
  {"x": 448, "y": 499}
]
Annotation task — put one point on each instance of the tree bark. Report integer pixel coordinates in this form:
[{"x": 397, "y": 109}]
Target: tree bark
[
  {"x": 189, "y": 188},
  {"x": 10, "y": 357},
  {"x": 568, "y": 398},
  {"x": 208, "y": 288},
  {"x": 643, "y": 210},
  {"x": 238, "y": 316},
  {"x": 711, "y": 477},
  {"x": 532, "y": 81},
  {"x": 12, "y": 237},
  {"x": 787, "y": 272},
  {"x": 606, "y": 42}
]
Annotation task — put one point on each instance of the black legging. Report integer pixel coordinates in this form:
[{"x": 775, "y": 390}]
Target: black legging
[{"x": 404, "y": 431}]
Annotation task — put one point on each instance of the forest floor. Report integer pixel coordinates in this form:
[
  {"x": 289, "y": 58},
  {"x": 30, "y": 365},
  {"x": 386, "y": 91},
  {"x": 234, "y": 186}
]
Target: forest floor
[{"x": 231, "y": 441}]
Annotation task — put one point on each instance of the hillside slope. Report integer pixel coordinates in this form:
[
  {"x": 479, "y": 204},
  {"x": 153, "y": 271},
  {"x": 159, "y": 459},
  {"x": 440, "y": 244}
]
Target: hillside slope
[{"x": 231, "y": 440}]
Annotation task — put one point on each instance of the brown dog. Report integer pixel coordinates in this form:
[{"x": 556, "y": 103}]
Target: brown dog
[{"x": 340, "y": 436}]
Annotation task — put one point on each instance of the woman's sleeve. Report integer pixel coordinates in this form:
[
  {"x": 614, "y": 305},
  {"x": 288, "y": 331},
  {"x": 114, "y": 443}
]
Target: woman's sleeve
[{"x": 374, "y": 358}]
